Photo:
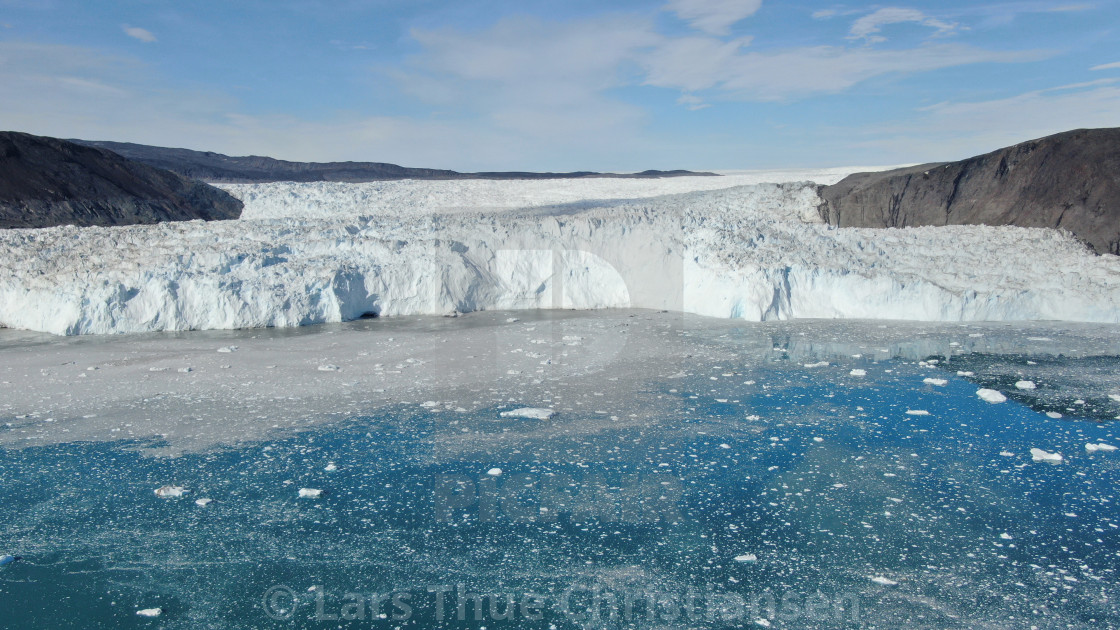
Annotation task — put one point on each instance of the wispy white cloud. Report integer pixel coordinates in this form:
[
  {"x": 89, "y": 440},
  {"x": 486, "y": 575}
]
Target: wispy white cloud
[
  {"x": 824, "y": 14},
  {"x": 1107, "y": 66},
  {"x": 715, "y": 17},
  {"x": 955, "y": 130},
  {"x": 1070, "y": 8},
  {"x": 692, "y": 102},
  {"x": 141, "y": 34},
  {"x": 801, "y": 72},
  {"x": 869, "y": 26},
  {"x": 1003, "y": 13}
]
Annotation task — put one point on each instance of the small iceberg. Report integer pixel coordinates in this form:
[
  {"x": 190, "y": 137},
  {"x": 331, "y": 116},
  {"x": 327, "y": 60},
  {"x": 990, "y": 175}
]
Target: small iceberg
[
  {"x": 991, "y": 395},
  {"x": 170, "y": 492},
  {"x": 530, "y": 413},
  {"x": 939, "y": 382},
  {"x": 746, "y": 558},
  {"x": 5, "y": 560},
  {"x": 1040, "y": 455},
  {"x": 1099, "y": 446},
  {"x": 1027, "y": 385},
  {"x": 150, "y": 612},
  {"x": 858, "y": 372},
  {"x": 310, "y": 493}
]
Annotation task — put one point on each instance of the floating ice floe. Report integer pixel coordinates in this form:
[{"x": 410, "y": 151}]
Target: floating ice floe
[
  {"x": 5, "y": 560},
  {"x": 878, "y": 579},
  {"x": 530, "y": 413},
  {"x": 747, "y": 557},
  {"x": 310, "y": 493},
  {"x": 1099, "y": 446},
  {"x": 1115, "y": 397},
  {"x": 991, "y": 395},
  {"x": 939, "y": 382},
  {"x": 331, "y": 467},
  {"x": 1053, "y": 415},
  {"x": 185, "y": 370},
  {"x": 494, "y": 472},
  {"x": 150, "y": 612},
  {"x": 329, "y": 368},
  {"x": 1006, "y": 454},
  {"x": 1025, "y": 385},
  {"x": 203, "y": 502},
  {"x": 965, "y": 373},
  {"x": 817, "y": 365},
  {"x": 917, "y": 412},
  {"x": 170, "y": 492},
  {"x": 858, "y": 373},
  {"x": 1040, "y": 455},
  {"x": 227, "y": 349}
]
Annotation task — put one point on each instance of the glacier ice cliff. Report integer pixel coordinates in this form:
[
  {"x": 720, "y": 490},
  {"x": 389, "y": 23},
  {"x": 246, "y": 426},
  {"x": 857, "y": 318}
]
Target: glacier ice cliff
[{"x": 312, "y": 253}]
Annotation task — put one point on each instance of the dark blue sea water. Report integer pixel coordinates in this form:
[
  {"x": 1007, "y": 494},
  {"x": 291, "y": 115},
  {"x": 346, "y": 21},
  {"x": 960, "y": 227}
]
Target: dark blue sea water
[{"x": 764, "y": 495}]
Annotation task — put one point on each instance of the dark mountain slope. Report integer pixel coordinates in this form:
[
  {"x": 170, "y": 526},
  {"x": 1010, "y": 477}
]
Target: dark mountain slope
[
  {"x": 1070, "y": 181},
  {"x": 215, "y": 167},
  {"x": 46, "y": 182}
]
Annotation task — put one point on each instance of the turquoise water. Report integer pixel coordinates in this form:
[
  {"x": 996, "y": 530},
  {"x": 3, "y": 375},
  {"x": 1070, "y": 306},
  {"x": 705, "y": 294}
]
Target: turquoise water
[{"x": 764, "y": 492}]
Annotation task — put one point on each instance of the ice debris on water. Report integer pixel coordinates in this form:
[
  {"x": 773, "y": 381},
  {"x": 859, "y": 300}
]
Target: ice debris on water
[
  {"x": 878, "y": 579},
  {"x": 917, "y": 412},
  {"x": 170, "y": 492},
  {"x": 150, "y": 612},
  {"x": 530, "y": 413},
  {"x": 203, "y": 502},
  {"x": 939, "y": 382},
  {"x": 494, "y": 472},
  {"x": 1025, "y": 385},
  {"x": 5, "y": 560},
  {"x": 1099, "y": 446},
  {"x": 746, "y": 558},
  {"x": 1040, "y": 455},
  {"x": 227, "y": 349},
  {"x": 310, "y": 493},
  {"x": 329, "y": 368},
  {"x": 858, "y": 372},
  {"x": 991, "y": 395}
]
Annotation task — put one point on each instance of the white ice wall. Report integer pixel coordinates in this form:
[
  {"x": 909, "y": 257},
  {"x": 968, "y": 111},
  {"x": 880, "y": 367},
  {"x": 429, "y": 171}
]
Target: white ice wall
[{"x": 751, "y": 252}]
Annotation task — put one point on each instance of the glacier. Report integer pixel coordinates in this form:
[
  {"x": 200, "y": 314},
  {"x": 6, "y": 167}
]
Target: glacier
[{"x": 731, "y": 247}]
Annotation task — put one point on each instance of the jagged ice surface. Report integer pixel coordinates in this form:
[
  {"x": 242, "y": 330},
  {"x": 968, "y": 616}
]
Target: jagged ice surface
[{"x": 310, "y": 253}]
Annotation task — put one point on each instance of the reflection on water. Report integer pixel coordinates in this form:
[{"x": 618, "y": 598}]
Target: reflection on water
[{"x": 747, "y": 484}]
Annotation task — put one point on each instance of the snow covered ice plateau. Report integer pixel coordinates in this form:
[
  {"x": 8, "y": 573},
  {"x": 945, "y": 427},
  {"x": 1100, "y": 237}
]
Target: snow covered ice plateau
[{"x": 735, "y": 437}]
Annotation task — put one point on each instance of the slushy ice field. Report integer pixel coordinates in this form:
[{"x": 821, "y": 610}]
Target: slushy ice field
[{"x": 698, "y": 473}]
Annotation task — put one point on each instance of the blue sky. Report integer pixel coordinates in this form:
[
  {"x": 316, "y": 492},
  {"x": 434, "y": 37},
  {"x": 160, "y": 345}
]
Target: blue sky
[{"x": 528, "y": 84}]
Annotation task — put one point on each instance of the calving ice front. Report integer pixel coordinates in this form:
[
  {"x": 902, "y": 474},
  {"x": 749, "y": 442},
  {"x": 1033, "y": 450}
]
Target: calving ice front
[{"x": 311, "y": 253}]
